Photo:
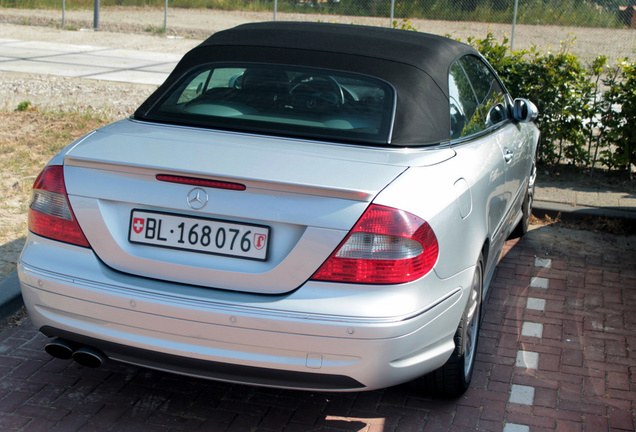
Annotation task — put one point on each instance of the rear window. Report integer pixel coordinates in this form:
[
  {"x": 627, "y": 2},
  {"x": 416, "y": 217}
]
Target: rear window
[{"x": 281, "y": 100}]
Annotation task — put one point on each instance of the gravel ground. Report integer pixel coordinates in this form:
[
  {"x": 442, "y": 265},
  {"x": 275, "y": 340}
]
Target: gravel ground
[
  {"x": 47, "y": 92},
  {"x": 199, "y": 23}
]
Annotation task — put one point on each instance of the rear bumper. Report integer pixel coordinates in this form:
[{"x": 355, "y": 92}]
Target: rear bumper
[{"x": 263, "y": 341}]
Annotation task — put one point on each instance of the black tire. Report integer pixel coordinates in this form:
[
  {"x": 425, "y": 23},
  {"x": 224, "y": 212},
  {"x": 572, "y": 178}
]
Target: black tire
[
  {"x": 526, "y": 207},
  {"x": 453, "y": 379}
]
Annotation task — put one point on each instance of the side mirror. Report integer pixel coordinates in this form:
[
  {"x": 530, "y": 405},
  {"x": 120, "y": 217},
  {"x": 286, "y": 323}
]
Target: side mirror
[{"x": 524, "y": 111}]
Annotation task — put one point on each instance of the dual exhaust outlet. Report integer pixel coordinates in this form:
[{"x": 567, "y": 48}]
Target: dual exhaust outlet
[{"x": 83, "y": 355}]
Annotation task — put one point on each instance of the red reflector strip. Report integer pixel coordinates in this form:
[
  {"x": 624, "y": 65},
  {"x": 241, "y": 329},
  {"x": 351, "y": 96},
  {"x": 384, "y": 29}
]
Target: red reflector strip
[{"x": 200, "y": 182}]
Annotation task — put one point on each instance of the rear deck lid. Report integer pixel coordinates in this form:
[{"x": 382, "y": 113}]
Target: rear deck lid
[{"x": 220, "y": 209}]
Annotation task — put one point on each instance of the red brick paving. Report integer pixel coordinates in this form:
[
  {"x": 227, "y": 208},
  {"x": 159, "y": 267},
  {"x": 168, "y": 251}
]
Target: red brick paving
[{"x": 585, "y": 379}]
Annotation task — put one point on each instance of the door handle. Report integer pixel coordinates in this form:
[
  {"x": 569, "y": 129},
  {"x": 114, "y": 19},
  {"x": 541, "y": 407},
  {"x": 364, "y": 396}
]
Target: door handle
[{"x": 508, "y": 155}]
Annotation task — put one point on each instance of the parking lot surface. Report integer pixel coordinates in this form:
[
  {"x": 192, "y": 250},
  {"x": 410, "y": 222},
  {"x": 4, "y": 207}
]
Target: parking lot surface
[{"x": 556, "y": 352}]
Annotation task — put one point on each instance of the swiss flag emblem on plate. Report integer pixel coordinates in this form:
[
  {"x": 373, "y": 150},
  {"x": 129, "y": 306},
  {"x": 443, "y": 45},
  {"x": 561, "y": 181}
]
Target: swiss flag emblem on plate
[{"x": 138, "y": 225}]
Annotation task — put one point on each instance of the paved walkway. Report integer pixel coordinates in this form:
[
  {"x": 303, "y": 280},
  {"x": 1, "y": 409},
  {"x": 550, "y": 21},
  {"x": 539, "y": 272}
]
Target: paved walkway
[
  {"x": 83, "y": 61},
  {"x": 556, "y": 353}
]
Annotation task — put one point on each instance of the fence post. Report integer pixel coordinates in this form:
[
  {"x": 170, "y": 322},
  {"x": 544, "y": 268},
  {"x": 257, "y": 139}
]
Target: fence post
[
  {"x": 63, "y": 13},
  {"x": 514, "y": 25},
  {"x": 96, "y": 15},
  {"x": 275, "y": 8},
  {"x": 165, "y": 18},
  {"x": 392, "y": 12}
]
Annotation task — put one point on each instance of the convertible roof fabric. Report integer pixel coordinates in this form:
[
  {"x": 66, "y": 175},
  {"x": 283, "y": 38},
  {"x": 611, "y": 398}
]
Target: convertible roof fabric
[{"x": 416, "y": 64}]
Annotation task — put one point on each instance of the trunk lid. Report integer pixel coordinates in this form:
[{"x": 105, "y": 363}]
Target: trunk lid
[{"x": 300, "y": 200}]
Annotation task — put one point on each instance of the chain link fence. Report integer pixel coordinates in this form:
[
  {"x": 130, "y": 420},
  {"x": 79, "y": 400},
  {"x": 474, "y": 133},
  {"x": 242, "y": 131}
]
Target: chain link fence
[{"x": 587, "y": 27}]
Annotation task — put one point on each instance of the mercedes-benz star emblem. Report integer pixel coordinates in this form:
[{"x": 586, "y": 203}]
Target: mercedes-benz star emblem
[{"x": 197, "y": 198}]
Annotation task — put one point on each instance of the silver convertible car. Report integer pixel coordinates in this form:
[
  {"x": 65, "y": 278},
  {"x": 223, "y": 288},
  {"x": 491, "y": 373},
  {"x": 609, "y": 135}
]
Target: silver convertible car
[{"x": 300, "y": 205}]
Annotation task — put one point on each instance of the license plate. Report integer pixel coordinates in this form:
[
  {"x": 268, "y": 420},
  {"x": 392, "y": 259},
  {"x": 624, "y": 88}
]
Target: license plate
[{"x": 213, "y": 236}]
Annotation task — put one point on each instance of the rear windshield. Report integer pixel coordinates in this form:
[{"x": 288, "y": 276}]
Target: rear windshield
[{"x": 281, "y": 100}]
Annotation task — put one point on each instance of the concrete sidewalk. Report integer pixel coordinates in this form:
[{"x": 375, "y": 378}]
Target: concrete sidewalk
[
  {"x": 84, "y": 61},
  {"x": 574, "y": 202}
]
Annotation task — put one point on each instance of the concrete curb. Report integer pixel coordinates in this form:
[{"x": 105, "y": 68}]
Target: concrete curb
[
  {"x": 10, "y": 295},
  {"x": 568, "y": 212}
]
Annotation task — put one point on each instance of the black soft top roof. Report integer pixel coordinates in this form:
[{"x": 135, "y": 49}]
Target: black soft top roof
[
  {"x": 430, "y": 53},
  {"x": 416, "y": 64}
]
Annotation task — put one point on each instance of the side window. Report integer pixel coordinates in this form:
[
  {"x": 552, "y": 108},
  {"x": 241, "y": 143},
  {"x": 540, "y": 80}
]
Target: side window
[
  {"x": 463, "y": 102},
  {"x": 195, "y": 88},
  {"x": 208, "y": 80},
  {"x": 477, "y": 99}
]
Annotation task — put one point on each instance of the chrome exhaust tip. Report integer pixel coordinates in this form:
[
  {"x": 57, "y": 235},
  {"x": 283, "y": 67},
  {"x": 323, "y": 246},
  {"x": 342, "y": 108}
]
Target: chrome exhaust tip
[
  {"x": 89, "y": 357},
  {"x": 60, "y": 348}
]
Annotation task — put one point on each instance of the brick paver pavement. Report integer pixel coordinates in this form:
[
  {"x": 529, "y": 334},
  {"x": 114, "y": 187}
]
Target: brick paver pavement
[{"x": 557, "y": 352}]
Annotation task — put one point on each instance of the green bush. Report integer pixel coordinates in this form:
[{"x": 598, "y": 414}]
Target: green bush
[
  {"x": 620, "y": 151},
  {"x": 24, "y": 106},
  {"x": 584, "y": 112}
]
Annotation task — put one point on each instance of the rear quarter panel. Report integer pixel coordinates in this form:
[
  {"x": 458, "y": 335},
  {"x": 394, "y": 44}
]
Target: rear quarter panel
[{"x": 461, "y": 199}]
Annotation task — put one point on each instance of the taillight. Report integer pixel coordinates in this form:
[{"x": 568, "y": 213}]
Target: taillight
[
  {"x": 50, "y": 213},
  {"x": 386, "y": 246}
]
